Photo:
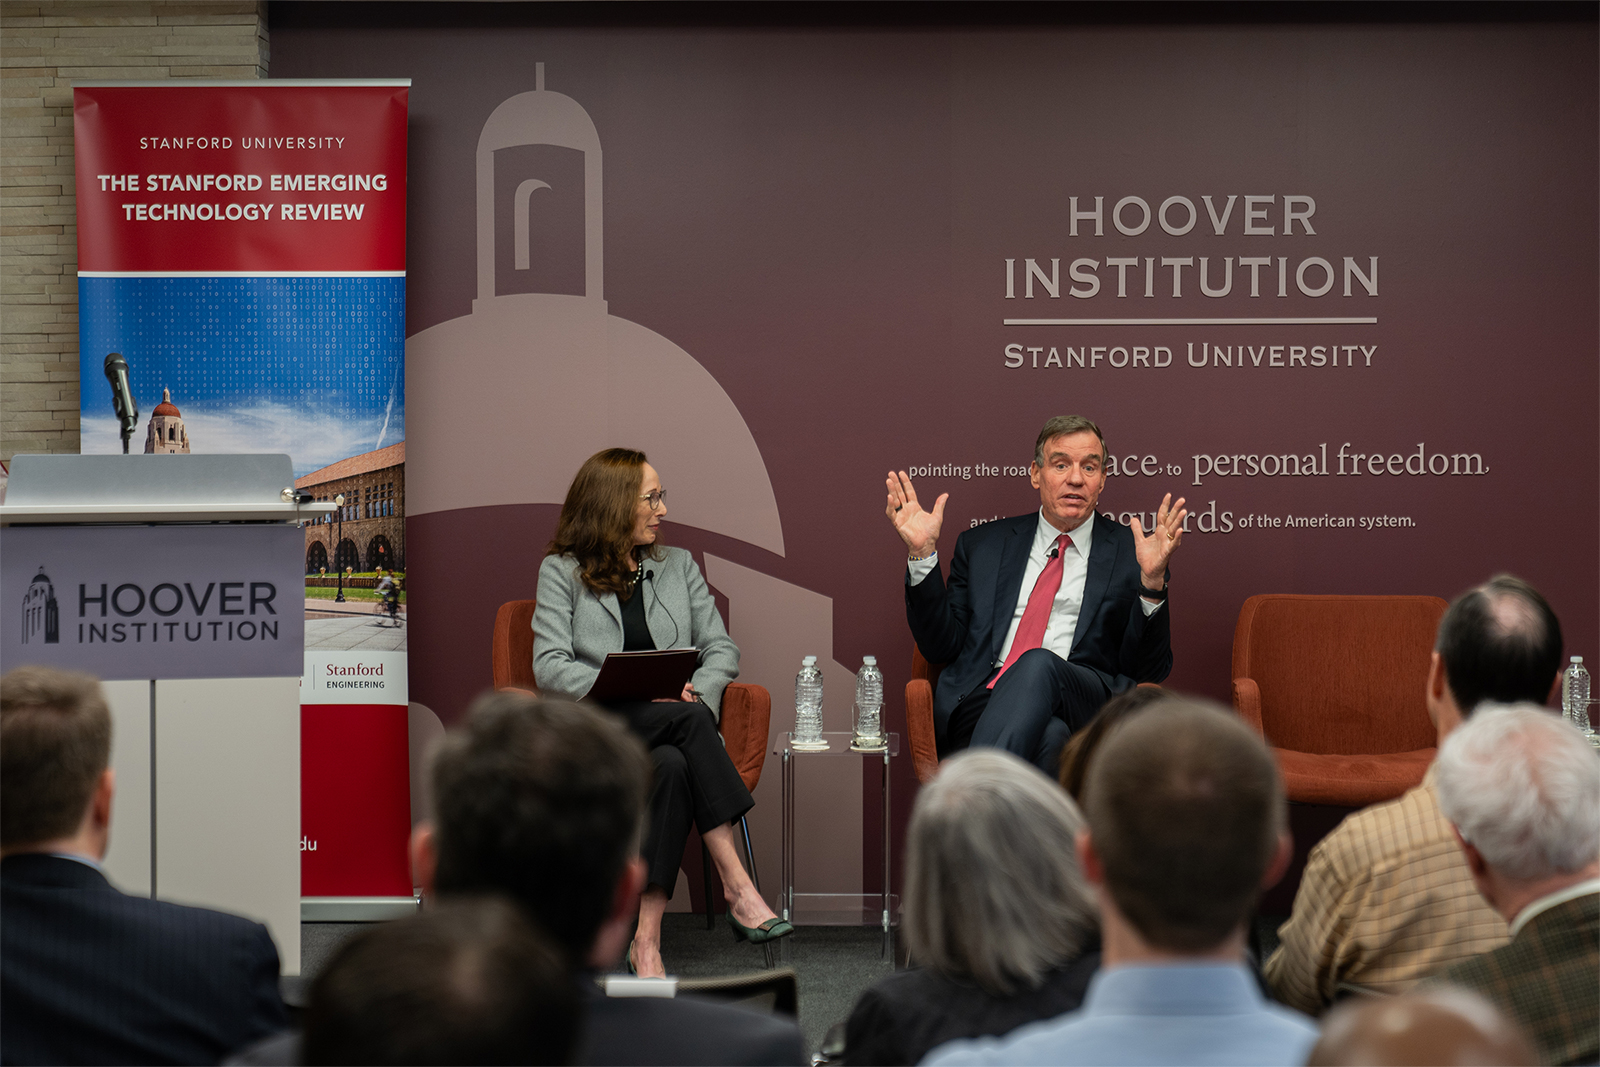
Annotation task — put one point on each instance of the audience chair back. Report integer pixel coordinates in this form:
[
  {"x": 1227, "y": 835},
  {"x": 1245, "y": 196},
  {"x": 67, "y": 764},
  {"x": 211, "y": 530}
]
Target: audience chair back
[
  {"x": 774, "y": 992},
  {"x": 1335, "y": 685}
]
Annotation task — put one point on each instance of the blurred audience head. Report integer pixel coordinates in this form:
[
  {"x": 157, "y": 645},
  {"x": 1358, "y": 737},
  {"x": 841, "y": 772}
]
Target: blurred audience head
[
  {"x": 1499, "y": 642},
  {"x": 993, "y": 890},
  {"x": 1522, "y": 788},
  {"x": 1186, "y": 822},
  {"x": 542, "y": 800},
  {"x": 469, "y": 981},
  {"x": 55, "y": 748},
  {"x": 1435, "y": 1028},
  {"x": 1082, "y": 746}
]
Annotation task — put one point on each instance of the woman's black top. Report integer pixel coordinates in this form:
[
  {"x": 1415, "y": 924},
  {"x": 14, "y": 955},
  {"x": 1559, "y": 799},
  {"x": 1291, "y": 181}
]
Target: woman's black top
[
  {"x": 635, "y": 631},
  {"x": 907, "y": 1015}
]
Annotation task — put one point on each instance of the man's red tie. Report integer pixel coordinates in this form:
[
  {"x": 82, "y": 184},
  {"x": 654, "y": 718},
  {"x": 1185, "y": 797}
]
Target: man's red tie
[{"x": 1036, "y": 616}]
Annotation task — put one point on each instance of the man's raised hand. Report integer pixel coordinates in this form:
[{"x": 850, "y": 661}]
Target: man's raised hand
[
  {"x": 1155, "y": 550},
  {"x": 919, "y": 529}
]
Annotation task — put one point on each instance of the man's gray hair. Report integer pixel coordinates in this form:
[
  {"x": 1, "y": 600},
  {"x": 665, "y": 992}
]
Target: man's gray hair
[
  {"x": 1523, "y": 787},
  {"x": 1061, "y": 426},
  {"x": 993, "y": 890}
]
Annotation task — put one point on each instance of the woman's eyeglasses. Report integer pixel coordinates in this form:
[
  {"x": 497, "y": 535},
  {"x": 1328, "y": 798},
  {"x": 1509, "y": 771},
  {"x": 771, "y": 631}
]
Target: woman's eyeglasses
[{"x": 655, "y": 499}]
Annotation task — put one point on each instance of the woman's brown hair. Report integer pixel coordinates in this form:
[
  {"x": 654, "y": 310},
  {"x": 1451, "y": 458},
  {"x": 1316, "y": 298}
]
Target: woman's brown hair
[{"x": 597, "y": 520}]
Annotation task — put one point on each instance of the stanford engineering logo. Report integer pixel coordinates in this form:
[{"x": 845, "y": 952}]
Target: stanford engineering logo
[{"x": 40, "y": 615}]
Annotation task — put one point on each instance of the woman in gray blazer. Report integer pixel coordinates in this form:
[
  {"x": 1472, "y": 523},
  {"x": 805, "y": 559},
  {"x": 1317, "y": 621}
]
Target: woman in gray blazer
[{"x": 608, "y": 585}]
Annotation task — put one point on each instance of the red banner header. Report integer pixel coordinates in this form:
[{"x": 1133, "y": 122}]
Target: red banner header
[{"x": 258, "y": 178}]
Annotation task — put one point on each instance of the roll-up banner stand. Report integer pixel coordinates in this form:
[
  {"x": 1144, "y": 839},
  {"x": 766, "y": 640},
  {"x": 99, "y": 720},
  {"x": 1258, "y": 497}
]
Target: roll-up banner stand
[{"x": 242, "y": 263}]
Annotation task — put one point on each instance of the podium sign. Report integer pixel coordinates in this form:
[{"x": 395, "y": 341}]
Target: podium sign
[
  {"x": 175, "y": 579},
  {"x": 180, "y": 601}
]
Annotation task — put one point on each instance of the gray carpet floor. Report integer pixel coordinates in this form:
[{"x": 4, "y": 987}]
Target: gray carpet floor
[{"x": 834, "y": 963}]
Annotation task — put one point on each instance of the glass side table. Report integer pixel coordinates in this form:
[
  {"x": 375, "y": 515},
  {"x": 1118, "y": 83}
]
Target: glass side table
[{"x": 836, "y": 909}]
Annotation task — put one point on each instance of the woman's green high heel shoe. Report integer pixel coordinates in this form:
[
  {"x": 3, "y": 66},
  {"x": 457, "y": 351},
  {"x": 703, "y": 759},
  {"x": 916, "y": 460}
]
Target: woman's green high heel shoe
[{"x": 771, "y": 930}]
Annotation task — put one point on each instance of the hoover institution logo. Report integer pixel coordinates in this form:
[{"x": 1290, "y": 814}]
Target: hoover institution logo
[
  {"x": 190, "y": 602},
  {"x": 41, "y": 618},
  {"x": 140, "y": 602}
]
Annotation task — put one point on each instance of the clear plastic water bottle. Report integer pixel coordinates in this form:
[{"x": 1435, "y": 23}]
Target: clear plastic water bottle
[
  {"x": 1575, "y": 695},
  {"x": 869, "y": 706},
  {"x": 808, "y": 708}
]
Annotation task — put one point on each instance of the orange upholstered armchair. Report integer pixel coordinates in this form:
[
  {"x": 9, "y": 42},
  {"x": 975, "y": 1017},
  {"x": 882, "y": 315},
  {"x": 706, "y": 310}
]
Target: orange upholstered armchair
[
  {"x": 919, "y": 716},
  {"x": 746, "y": 709},
  {"x": 1335, "y": 685}
]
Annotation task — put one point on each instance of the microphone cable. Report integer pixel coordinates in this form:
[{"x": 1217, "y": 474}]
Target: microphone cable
[{"x": 649, "y": 576}]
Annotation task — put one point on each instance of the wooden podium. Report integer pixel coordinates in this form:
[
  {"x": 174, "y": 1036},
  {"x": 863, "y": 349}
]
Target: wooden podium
[{"x": 177, "y": 579}]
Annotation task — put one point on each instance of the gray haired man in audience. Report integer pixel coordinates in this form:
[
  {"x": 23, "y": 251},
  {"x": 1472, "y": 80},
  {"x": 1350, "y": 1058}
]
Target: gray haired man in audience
[
  {"x": 1186, "y": 825},
  {"x": 543, "y": 801},
  {"x": 1522, "y": 789}
]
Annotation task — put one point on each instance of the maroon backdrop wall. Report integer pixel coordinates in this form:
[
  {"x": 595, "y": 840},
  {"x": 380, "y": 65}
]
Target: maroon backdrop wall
[{"x": 824, "y": 218}]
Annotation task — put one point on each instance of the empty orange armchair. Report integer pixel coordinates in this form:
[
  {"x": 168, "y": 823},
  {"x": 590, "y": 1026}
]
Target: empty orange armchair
[{"x": 1335, "y": 685}]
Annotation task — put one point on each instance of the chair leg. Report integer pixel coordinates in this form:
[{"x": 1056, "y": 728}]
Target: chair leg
[
  {"x": 750, "y": 853},
  {"x": 710, "y": 887}
]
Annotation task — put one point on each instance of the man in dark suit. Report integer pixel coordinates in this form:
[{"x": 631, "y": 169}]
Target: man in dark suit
[
  {"x": 1521, "y": 789},
  {"x": 544, "y": 800},
  {"x": 1045, "y": 615},
  {"x": 89, "y": 974}
]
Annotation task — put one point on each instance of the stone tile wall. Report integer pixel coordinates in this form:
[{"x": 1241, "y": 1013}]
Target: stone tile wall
[{"x": 44, "y": 47}]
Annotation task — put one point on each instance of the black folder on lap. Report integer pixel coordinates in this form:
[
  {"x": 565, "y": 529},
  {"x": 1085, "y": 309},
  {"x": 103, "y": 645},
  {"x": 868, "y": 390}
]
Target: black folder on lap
[{"x": 644, "y": 675}]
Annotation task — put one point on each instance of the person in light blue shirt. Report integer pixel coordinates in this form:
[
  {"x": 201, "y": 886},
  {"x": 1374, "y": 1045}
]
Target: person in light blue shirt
[{"x": 1186, "y": 826}]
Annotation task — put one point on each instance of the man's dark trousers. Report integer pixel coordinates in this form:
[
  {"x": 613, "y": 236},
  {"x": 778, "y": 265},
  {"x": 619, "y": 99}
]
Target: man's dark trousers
[
  {"x": 1031, "y": 711},
  {"x": 963, "y": 623}
]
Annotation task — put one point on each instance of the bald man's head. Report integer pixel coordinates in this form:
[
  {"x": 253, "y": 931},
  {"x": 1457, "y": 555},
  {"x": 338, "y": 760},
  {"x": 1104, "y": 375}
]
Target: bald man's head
[
  {"x": 1441, "y": 1027},
  {"x": 1499, "y": 642}
]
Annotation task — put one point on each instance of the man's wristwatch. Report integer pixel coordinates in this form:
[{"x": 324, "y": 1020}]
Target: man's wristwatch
[{"x": 1153, "y": 594}]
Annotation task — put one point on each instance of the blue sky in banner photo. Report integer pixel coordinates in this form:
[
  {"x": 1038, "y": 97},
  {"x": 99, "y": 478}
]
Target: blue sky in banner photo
[{"x": 314, "y": 367}]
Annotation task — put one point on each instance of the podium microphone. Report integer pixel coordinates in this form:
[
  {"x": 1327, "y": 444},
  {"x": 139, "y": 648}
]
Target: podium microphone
[{"x": 122, "y": 396}]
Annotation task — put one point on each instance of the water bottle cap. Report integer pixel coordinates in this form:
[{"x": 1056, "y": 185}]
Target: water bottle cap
[
  {"x": 1577, "y": 659},
  {"x": 872, "y": 661},
  {"x": 809, "y": 661}
]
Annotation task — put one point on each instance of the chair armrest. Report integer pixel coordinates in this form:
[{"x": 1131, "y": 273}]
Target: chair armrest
[
  {"x": 919, "y": 729},
  {"x": 1247, "y": 702},
  {"x": 746, "y": 720}
]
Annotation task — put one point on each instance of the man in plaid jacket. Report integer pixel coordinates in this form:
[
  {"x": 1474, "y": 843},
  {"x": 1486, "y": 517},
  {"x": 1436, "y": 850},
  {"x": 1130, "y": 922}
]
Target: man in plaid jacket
[{"x": 1521, "y": 787}]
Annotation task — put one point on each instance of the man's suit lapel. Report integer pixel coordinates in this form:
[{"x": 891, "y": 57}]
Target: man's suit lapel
[
  {"x": 1102, "y": 561},
  {"x": 1013, "y": 562}
]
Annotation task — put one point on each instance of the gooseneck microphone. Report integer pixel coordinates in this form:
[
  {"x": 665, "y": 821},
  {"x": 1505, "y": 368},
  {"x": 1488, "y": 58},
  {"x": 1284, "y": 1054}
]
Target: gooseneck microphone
[{"x": 122, "y": 397}]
